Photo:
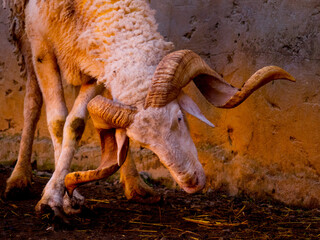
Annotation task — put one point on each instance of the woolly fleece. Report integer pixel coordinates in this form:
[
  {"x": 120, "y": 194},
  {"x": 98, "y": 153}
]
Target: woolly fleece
[{"x": 116, "y": 42}]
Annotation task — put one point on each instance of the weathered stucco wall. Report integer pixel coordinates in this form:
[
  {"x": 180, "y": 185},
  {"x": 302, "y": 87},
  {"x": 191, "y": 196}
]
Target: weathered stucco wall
[{"x": 269, "y": 145}]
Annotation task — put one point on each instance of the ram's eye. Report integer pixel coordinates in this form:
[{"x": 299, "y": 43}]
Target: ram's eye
[{"x": 179, "y": 119}]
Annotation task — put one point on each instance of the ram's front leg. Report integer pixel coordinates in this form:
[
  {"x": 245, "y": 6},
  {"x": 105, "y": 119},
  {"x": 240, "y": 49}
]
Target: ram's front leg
[
  {"x": 135, "y": 188},
  {"x": 72, "y": 132},
  {"x": 49, "y": 80}
]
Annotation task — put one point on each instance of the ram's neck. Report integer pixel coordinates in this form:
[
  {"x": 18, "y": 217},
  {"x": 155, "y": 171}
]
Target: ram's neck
[
  {"x": 131, "y": 47},
  {"x": 134, "y": 91},
  {"x": 129, "y": 77}
]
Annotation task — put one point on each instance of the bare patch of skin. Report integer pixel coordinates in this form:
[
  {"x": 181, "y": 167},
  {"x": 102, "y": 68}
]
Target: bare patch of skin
[
  {"x": 57, "y": 129},
  {"x": 78, "y": 126}
]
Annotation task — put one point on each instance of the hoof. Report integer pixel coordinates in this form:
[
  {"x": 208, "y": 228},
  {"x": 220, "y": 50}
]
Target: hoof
[
  {"x": 51, "y": 202},
  {"x": 73, "y": 205},
  {"x": 54, "y": 215},
  {"x": 18, "y": 188},
  {"x": 138, "y": 191}
]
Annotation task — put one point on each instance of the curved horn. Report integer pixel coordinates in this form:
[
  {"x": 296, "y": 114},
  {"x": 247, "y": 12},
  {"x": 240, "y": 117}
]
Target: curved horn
[
  {"x": 76, "y": 179},
  {"x": 108, "y": 114},
  {"x": 111, "y": 152},
  {"x": 177, "y": 69},
  {"x": 108, "y": 117}
]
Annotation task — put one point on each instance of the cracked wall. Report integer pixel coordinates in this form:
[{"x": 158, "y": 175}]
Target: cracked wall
[{"x": 266, "y": 147}]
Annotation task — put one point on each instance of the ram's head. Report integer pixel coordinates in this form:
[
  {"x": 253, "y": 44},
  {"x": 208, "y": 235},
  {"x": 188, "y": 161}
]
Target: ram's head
[{"x": 161, "y": 126}]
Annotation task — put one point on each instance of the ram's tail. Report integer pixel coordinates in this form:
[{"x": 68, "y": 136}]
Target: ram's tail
[{"x": 17, "y": 28}]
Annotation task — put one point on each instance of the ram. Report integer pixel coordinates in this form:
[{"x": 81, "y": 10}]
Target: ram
[{"x": 114, "y": 45}]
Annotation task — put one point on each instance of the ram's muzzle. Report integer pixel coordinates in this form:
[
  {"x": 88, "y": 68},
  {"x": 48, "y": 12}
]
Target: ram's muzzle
[{"x": 185, "y": 168}]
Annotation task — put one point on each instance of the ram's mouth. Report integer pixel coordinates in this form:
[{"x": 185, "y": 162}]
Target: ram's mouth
[
  {"x": 194, "y": 183},
  {"x": 185, "y": 169}
]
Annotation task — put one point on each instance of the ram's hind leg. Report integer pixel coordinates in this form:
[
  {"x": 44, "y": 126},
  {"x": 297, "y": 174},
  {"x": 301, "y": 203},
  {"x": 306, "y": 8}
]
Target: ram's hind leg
[
  {"x": 19, "y": 182},
  {"x": 135, "y": 188}
]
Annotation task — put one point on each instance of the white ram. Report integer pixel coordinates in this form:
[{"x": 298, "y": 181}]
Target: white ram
[{"x": 116, "y": 43}]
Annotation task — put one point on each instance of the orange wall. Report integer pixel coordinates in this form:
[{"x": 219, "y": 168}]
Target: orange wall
[{"x": 268, "y": 146}]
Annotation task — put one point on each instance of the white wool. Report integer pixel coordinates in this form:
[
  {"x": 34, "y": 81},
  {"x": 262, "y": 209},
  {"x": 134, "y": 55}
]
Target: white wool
[
  {"x": 115, "y": 41},
  {"x": 127, "y": 41}
]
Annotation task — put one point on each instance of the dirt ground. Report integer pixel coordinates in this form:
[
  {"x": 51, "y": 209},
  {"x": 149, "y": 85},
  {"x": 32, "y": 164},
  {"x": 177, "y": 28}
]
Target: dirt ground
[{"x": 108, "y": 215}]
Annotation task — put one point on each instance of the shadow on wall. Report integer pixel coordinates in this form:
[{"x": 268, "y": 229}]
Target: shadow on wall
[{"x": 268, "y": 146}]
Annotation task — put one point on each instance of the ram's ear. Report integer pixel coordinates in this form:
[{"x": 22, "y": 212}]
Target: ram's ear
[
  {"x": 122, "y": 145},
  {"x": 114, "y": 146},
  {"x": 187, "y": 104}
]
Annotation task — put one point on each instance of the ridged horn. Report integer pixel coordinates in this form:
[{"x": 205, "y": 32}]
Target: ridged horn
[
  {"x": 76, "y": 179},
  {"x": 257, "y": 80},
  {"x": 106, "y": 113},
  {"x": 177, "y": 69},
  {"x": 108, "y": 166}
]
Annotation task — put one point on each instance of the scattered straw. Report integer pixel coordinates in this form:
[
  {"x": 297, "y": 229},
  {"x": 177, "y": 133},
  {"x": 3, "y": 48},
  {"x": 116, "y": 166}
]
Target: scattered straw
[
  {"x": 14, "y": 213},
  {"x": 13, "y": 205},
  {"x": 202, "y": 222},
  {"x": 98, "y": 200},
  {"x": 141, "y": 230},
  {"x": 150, "y": 224},
  {"x": 215, "y": 223}
]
